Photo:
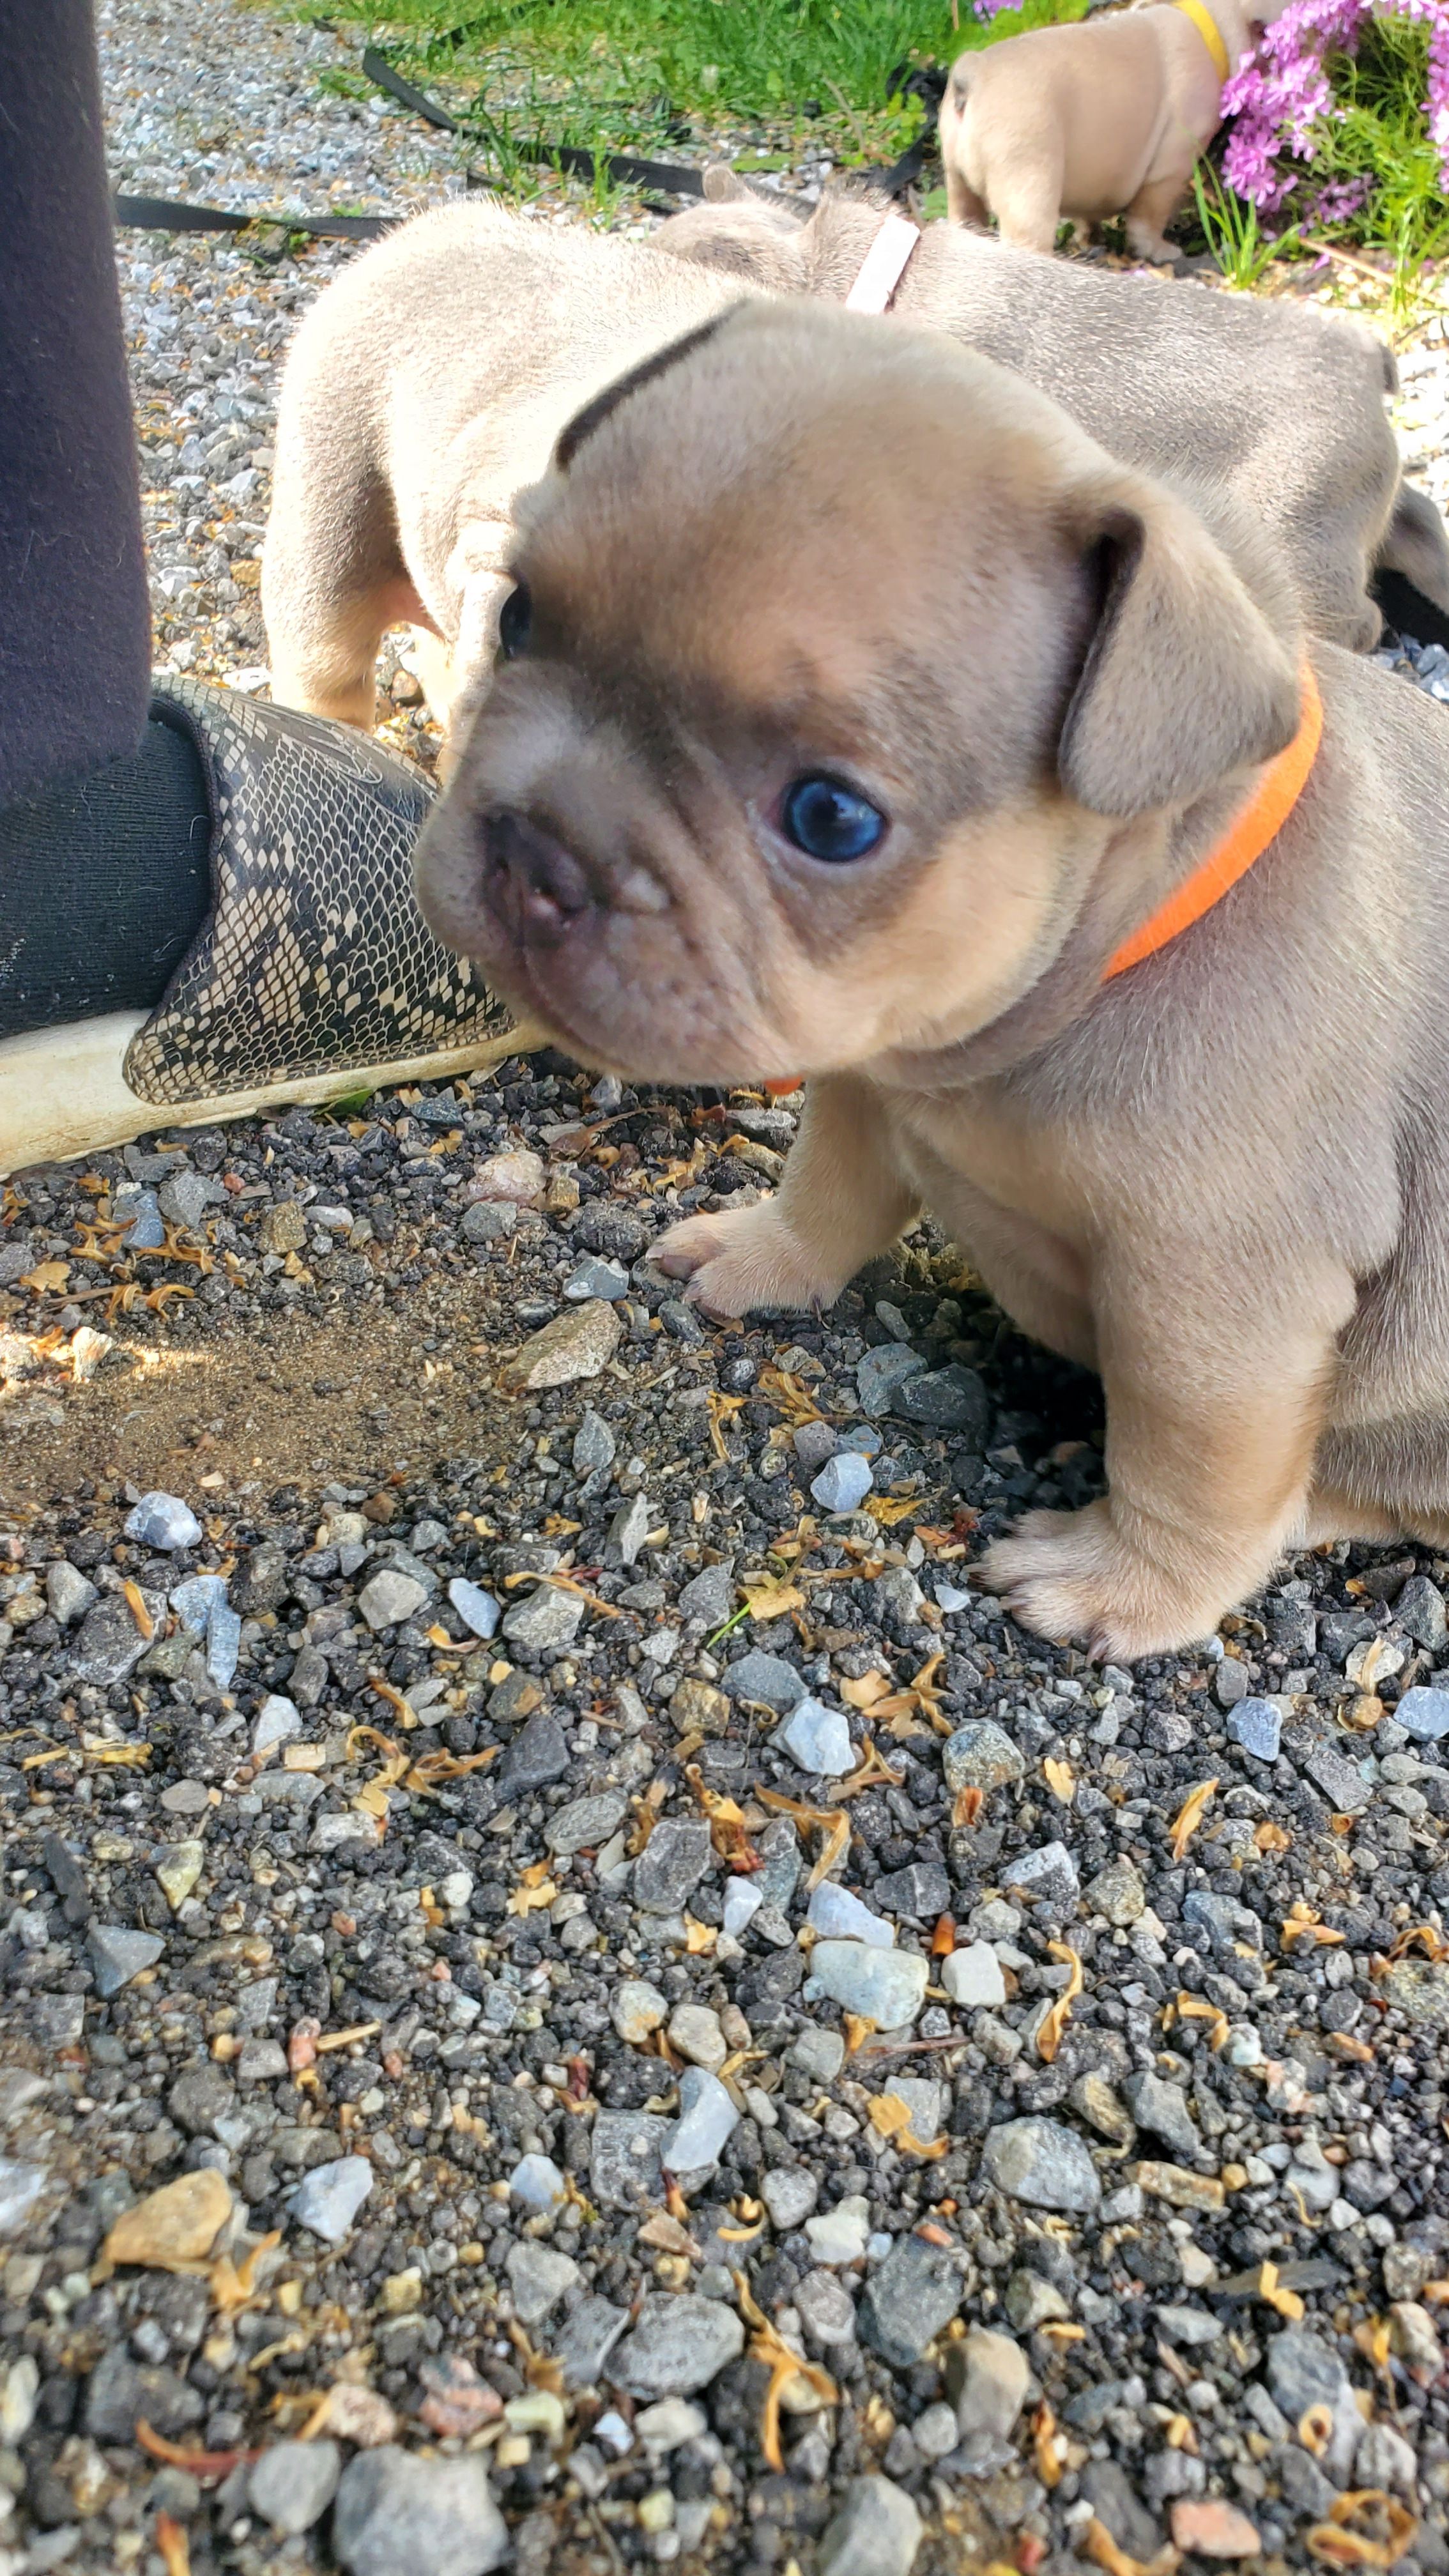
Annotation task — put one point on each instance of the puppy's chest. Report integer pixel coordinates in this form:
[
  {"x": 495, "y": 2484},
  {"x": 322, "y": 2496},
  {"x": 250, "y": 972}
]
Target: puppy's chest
[{"x": 983, "y": 1166}]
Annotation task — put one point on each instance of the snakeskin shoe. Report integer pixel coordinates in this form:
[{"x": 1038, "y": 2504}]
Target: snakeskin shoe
[{"x": 314, "y": 973}]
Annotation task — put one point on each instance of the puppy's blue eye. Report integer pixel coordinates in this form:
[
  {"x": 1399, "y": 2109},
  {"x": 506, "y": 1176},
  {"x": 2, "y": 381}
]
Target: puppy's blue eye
[
  {"x": 828, "y": 820},
  {"x": 515, "y": 619}
]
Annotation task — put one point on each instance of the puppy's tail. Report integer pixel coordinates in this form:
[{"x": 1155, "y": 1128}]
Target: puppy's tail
[{"x": 1416, "y": 546}]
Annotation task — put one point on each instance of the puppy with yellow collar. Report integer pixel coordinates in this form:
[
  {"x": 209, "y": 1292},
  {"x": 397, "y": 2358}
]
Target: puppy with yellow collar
[
  {"x": 1098, "y": 119},
  {"x": 861, "y": 717}
]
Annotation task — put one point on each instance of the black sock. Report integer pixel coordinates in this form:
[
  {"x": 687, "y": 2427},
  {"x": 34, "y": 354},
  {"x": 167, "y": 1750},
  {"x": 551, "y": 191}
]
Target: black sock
[{"x": 104, "y": 883}]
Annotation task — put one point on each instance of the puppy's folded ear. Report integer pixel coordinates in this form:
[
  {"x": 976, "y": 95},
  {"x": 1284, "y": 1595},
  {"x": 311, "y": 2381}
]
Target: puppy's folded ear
[{"x": 1184, "y": 680}]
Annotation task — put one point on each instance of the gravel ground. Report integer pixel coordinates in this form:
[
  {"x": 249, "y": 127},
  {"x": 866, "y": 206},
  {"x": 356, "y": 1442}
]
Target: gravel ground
[{"x": 570, "y": 1990}]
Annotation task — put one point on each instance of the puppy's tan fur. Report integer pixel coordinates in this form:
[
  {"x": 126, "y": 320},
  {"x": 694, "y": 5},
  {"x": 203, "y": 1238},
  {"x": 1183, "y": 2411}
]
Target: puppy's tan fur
[
  {"x": 1102, "y": 118},
  {"x": 427, "y": 387},
  {"x": 1220, "y": 1178}
]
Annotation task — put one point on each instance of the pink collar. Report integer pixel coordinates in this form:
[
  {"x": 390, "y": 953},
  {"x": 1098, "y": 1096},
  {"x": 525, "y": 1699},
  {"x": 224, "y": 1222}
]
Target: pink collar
[{"x": 884, "y": 266}]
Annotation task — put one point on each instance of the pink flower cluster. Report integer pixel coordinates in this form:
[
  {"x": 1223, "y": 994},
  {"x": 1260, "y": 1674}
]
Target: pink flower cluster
[{"x": 1278, "y": 94}]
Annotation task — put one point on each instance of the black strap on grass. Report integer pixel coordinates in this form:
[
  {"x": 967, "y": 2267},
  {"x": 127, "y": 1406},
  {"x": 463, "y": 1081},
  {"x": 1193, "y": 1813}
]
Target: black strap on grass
[
  {"x": 179, "y": 215},
  {"x": 677, "y": 178},
  {"x": 673, "y": 178}
]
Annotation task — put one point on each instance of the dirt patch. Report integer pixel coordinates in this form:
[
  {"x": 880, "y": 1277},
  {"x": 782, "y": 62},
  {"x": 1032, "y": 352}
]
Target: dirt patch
[{"x": 295, "y": 1400}]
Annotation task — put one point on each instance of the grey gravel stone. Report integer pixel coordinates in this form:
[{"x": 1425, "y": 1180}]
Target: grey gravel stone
[
  {"x": 680, "y": 2343},
  {"x": 628, "y": 1530},
  {"x": 293, "y": 2483},
  {"x": 1257, "y": 1725},
  {"x": 586, "y": 1823},
  {"x": 827, "y": 2310},
  {"x": 995, "y": 2379},
  {"x": 1419, "y": 1611},
  {"x": 578, "y": 1344},
  {"x": 881, "y": 1373},
  {"x": 1043, "y": 2164},
  {"x": 818, "y": 1738},
  {"x": 921, "y": 1889},
  {"x": 887, "y": 1986},
  {"x": 838, "y": 1914},
  {"x": 915, "y": 2292},
  {"x": 1419, "y": 1989},
  {"x": 538, "y": 2278},
  {"x": 1304, "y": 2371},
  {"x": 390, "y": 1598},
  {"x": 707, "y": 2121},
  {"x": 950, "y": 1399},
  {"x": 396, "y": 2512},
  {"x": 68, "y": 1592},
  {"x": 108, "y": 1643},
  {"x": 594, "y": 1444},
  {"x": 980, "y": 1756},
  {"x": 121, "y": 2393},
  {"x": 972, "y": 1977},
  {"x": 476, "y": 1608},
  {"x": 596, "y": 1277},
  {"x": 1189, "y": 2327},
  {"x": 1424, "y": 1712},
  {"x": 118, "y": 1955},
  {"x": 709, "y": 1596},
  {"x": 276, "y": 1722},
  {"x": 331, "y": 2196},
  {"x": 877, "y": 2531},
  {"x": 1341, "y": 1782},
  {"x": 843, "y": 1482},
  {"x": 789, "y": 2193},
  {"x": 548, "y": 1617},
  {"x": 587, "y": 2336},
  {"x": 767, "y": 1680},
  {"x": 1118, "y": 1892},
  {"x": 164, "y": 1521},
  {"x": 636, "y": 2009},
  {"x": 672, "y": 1863},
  {"x": 185, "y": 1198},
  {"x": 625, "y": 2159},
  {"x": 21, "y": 2185},
  {"x": 538, "y": 1755},
  {"x": 1049, "y": 1875},
  {"x": 1162, "y": 2109}
]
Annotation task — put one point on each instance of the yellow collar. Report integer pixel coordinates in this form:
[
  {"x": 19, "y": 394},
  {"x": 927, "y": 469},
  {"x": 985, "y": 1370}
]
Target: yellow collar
[{"x": 1194, "y": 10}]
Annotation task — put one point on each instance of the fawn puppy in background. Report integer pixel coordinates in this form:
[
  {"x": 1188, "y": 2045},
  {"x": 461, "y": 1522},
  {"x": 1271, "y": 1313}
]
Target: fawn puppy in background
[
  {"x": 1103, "y": 118},
  {"x": 427, "y": 386},
  {"x": 932, "y": 782}
]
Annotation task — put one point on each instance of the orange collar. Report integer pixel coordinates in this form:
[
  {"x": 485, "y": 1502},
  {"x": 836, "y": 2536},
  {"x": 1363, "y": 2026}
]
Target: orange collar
[{"x": 1247, "y": 837}]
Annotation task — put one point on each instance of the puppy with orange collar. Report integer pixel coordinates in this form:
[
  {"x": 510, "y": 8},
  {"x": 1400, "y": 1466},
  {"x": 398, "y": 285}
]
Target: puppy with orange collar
[
  {"x": 862, "y": 716},
  {"x": 1093, "y": 120}
]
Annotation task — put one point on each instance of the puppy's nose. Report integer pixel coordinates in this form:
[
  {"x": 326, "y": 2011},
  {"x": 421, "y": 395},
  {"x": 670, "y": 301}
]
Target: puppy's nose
[{"x": 533, "y": 881}]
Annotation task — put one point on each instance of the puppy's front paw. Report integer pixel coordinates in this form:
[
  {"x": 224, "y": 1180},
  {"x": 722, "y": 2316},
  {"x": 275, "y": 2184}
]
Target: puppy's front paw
[
  {"x": 1075, "y": 1575},
  {"x": 746, "y": 1258}
]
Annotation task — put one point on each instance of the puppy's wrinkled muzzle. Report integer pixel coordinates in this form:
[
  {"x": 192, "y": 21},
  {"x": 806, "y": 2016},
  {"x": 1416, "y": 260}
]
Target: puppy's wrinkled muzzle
[{"x": 533, "y": 885}]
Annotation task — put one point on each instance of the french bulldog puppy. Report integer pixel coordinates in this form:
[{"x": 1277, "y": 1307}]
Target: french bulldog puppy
[
  {"x": 425, "y": 389},
  {"x": 857, "y": 709},
  {"x": 1102, "y": 118}
]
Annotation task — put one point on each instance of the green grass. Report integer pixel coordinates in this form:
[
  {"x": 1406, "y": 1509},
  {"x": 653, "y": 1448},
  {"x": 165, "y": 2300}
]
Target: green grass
[{"x": 619, "y": 73}]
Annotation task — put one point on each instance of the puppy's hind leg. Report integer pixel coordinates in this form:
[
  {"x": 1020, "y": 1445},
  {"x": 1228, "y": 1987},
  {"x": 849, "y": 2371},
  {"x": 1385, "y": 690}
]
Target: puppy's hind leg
[
  {"x": 1027, "y": 203},
  {"x": 1151, "y": 210},
  {"x": 963, "y": 204},
  {"x": 333, "y": 577},
  {"x": 842, "y": 1199}
]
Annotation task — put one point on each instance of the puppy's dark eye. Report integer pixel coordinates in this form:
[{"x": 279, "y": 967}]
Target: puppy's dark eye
[
  {"x": 828, "y": 820},
  {"x": 515, "y": 619}
]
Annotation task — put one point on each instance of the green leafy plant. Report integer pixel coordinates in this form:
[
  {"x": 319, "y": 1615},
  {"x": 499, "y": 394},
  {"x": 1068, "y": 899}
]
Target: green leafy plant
[{"x": 1243, "y": 251}]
